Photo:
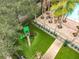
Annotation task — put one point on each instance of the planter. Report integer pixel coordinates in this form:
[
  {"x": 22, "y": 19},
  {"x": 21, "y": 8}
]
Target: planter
[
  {"x": 59, "y": 26},
  {"x": 50, "y": 21},
  {"x": 48, "y": 17},
  {"x": 72, "y": 45},
  {"x": 75, "y": 47},
  {"x": 47, "y": 13},
  {"x": 74, "y": 34},
  {"x": 42, "y": 17},
  {"x": 55, "y": 21},
  {"x": 64, "y": 21},
  {"x": 77, "y": 27}
]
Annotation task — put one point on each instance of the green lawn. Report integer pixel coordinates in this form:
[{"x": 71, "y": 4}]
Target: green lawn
[
  {"x": 41, "y": 43},
  {"x": 67, "y": 53}
]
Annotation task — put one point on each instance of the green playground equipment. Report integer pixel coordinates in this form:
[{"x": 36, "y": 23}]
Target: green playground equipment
[
  {"x": 26, "y": 30},
  {"x": 21, "y": 37}
]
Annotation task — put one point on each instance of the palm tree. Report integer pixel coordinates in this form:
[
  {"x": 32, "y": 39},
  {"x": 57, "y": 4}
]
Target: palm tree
[
  {"x": 45, "y": 4},
  {"x": 69, "y": 8},
  {"x": 76, "y": 33},
  {"x": 42, "y": 17},
  {"x": 61, "y": 9}
]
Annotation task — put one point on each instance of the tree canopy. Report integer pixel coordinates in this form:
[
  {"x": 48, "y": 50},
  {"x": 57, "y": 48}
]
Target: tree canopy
[
  {"x": 9, "y": 10},
  {"x": 63, "y": 7}
]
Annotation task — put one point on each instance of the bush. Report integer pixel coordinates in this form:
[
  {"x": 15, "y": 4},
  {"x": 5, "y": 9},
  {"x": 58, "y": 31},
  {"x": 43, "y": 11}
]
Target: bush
[{"x": 66, "y": 43}]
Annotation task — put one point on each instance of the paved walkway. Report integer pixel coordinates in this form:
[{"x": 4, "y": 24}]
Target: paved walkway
[{"x": 53, "y": 50}]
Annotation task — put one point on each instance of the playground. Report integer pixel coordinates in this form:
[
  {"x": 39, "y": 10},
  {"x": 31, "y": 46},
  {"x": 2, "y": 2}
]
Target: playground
[{"x": 40, "y": 43}]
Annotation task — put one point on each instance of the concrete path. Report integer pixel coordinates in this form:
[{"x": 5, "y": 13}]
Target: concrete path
[{"x": 53, "y": 50}]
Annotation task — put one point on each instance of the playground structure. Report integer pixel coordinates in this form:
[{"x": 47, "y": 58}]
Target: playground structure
[
  {"x": 26, "y": 34},
  {"x": 25, "y": 29}
]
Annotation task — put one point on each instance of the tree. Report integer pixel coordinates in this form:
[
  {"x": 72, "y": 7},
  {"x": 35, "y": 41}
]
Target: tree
[
  {"x": 9, "y": 12},
  {"x": 62, "y": 8},
  {"x": 33, "y": 8},
  {"x": 66, "y": 43},
  {"x": 45, "y": 5},
  {"x": 77, "y": 32},
  {"x": 8, "y": 35},
  {"x": 27, "y": 7}
]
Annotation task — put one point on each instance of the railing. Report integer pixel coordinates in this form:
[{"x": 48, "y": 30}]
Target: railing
[{"x": 48, "y": 29}]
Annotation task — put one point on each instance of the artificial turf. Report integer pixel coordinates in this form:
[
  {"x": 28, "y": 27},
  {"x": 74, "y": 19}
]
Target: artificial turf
[{"x": 67, "y": 53}]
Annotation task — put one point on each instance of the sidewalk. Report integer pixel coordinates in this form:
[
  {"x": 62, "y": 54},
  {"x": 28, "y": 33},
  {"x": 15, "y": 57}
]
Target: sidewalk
[{"x": 53, "y": 50}]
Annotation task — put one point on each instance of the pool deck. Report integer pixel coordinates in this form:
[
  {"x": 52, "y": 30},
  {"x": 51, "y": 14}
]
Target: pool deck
[{"x": 67, "y": 28}]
